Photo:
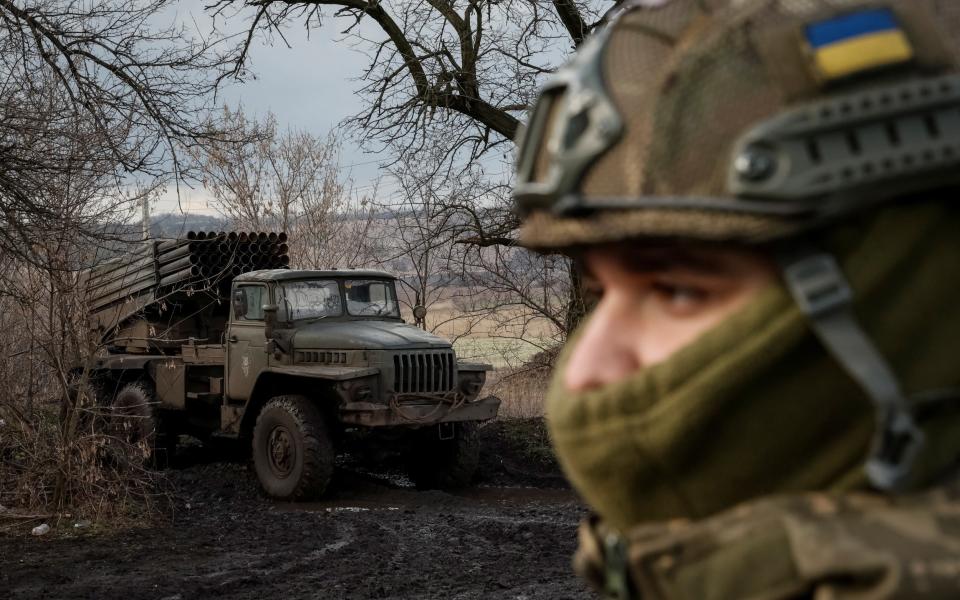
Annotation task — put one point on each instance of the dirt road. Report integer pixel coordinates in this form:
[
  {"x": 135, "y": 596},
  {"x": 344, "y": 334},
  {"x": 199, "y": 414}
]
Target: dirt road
[{"x": 374, "y": 537}]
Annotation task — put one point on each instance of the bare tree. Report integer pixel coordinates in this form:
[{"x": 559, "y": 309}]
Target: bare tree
[
  {"x": 288, "y": 181},
  {"x": 444, "y": 76},
  {"x": 254, "y": 183},
  {"x": 115, "y": 66},
  {"x": 95, "y": 75},
  {"x": 420, "y": 239},
  {"x": 523, "y": 295},
  {"x": 52, "y": 457},
  {"x": 342, "y": 234},
  {"x": 470, "y": 64},
  {"x": 97, "y": 105},
  {"x": 509, "y": 301}
]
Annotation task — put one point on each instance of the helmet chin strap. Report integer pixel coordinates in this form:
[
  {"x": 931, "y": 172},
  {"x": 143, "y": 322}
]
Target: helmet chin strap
[{"x": 821, "y": 290}]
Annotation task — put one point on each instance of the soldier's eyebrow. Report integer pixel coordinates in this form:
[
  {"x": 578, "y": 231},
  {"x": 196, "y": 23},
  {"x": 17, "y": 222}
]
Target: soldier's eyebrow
[
  {"x": 657, "y": 259},
  {"x": 640, "y": 259}
]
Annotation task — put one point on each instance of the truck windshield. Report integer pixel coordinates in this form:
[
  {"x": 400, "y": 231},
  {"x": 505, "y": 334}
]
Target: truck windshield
[
  {"x": 371, "y": 297},
  {"x": 310, "y": 299}
]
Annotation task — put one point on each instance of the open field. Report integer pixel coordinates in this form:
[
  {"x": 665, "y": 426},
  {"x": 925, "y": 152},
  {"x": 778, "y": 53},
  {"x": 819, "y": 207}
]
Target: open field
[
  {"x": 506, "y": 337},
  {"x": 501, "y": 352}
]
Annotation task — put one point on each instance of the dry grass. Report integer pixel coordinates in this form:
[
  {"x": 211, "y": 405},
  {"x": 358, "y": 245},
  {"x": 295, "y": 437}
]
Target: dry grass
[
  {"x": 522, "y": 391},
  {"x": 65, "y": 458}
]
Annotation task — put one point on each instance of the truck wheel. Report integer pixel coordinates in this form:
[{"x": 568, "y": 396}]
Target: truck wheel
[
  {"x": 435, "y": 463},
  {"x": 292, "y": 450},
  {"x": 135, "y": 420}
]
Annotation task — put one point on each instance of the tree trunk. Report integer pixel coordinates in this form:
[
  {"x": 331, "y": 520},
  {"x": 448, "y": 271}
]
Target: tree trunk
[{"x": 581, "y": 302}]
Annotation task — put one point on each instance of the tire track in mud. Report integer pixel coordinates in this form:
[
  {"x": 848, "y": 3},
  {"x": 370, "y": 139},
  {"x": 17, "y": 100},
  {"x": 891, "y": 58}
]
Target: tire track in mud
[
  {"x": 373, "y": 537},
  {"x": 368, "y": 541},
  {"x": 261, "y": 565}
]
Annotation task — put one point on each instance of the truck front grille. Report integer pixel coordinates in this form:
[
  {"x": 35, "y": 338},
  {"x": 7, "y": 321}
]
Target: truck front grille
[
  {"x": 327, "y": 358},
  {"x": 420, "y": 372}
]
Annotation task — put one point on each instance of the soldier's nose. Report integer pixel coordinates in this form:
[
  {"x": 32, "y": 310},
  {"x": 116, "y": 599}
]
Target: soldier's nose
[{"x": 606, "y": 351}]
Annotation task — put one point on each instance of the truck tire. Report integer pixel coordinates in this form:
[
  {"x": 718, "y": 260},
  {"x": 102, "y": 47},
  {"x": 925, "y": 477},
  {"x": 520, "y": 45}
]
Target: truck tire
[
  {"x": 433, "y": 463},
  {"x": 135, "y": 420},
  {"x": 292, "y": 450}
]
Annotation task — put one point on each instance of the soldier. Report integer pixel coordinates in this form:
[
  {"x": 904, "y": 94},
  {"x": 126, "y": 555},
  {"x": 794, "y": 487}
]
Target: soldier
[{"x": 763, "y": 403}]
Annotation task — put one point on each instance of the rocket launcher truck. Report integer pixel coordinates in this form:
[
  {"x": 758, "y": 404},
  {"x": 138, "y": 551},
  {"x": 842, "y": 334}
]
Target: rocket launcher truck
[{"x": 214, "y": 336}]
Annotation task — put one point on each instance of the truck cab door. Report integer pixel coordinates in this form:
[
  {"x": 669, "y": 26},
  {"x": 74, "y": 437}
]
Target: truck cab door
[{"x": 246, "y": 344}]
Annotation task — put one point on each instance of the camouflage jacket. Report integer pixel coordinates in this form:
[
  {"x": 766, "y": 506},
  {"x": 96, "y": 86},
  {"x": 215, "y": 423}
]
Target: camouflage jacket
[{"x": 816, "y": 546}]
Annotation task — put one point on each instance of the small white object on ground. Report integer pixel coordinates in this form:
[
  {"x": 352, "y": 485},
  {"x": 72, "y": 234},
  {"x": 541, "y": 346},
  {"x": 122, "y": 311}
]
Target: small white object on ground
[{"x": 41, "y": 529}]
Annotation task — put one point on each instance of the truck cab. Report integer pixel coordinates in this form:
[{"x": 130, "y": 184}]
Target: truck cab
[{"x": 345, "y": 328}]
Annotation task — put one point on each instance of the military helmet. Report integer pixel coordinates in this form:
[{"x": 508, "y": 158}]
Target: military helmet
[
  {"x": 754, "y": 121},
  {"x": 743, "y": 120}
]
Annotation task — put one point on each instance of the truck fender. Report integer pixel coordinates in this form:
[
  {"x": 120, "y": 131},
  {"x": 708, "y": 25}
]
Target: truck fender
[{"x": 271, "y": 384}]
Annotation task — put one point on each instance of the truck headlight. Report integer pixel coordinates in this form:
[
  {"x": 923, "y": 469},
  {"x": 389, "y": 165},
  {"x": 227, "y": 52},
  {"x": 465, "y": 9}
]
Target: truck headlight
[
  {"x": 471, "y": 383},
  {"x": 362, "y": 393}
]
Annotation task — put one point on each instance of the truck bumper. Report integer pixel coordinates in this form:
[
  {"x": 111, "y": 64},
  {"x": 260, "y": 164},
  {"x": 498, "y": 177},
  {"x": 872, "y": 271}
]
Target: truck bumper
[{"x": 407, "y": 414}]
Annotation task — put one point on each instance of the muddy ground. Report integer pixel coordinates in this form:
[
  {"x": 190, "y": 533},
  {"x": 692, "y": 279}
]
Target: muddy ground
[{"x": 375, "y": 536}]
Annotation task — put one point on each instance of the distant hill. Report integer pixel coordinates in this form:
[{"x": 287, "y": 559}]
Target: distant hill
[
  {"x": 172, "y": 225},
  {"x": 118, "y": 237}
]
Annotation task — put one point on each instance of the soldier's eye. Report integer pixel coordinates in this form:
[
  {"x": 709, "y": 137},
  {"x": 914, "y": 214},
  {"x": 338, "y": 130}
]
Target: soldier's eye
[
  {"x": 591, "y": 288},
  {"x": 679, "y": 297}
]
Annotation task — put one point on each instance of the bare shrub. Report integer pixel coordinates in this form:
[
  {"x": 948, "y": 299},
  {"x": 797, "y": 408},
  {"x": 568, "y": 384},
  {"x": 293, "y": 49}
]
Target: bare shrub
[
  {"x": 523, "y": 389},
  {"x": 97, "y": 104},
  {"x": 62, "y": 448},
  {"x": 522, "y": 394}
]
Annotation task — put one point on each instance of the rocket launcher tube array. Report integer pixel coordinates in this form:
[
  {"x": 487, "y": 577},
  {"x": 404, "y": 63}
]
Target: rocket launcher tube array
[{"x": 198, "y": 262}]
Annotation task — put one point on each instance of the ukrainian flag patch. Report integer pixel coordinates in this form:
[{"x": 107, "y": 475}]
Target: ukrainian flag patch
[{"x": 856, "y": 42}]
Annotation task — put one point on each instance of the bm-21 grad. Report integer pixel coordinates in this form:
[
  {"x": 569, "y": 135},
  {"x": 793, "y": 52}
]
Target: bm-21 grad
[{"x": 213, "y": 336}]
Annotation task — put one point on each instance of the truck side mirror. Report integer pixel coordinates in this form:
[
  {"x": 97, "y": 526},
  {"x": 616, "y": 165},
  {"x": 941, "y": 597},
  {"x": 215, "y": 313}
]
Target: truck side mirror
[
  {"x": 239, "y": 304},
  {"x": 269, "y": 319}
]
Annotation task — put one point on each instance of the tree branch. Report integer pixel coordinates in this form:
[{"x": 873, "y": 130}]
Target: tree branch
[{"x": 570, "y": 17}]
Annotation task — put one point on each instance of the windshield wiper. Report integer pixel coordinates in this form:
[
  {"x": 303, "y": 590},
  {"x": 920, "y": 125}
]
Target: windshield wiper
[{"x": 315, "y": 319}]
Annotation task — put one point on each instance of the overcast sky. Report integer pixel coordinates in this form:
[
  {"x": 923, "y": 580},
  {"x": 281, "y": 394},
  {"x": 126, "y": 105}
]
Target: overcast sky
[{"x": 307, "y": 86}]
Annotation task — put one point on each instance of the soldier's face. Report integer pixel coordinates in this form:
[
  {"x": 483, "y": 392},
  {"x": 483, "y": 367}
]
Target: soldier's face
[{"x": 654, "y": 301}]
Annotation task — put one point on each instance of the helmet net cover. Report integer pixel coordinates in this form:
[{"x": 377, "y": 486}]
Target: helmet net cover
[{"x": 688, "y": 79}]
